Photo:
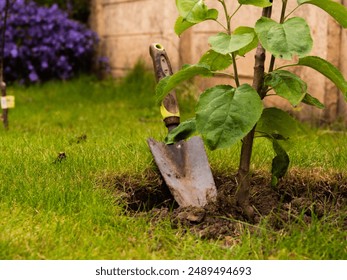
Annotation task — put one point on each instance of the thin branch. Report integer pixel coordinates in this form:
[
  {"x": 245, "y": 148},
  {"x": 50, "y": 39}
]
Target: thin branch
[
  {"x": 270, "y": 94},
  {"x": 2, "y": 54},
  {"x": 238, "y": 8},
  {"x": 283, "y": 11},
  {"x": 297, "y": 7},
  {"x": 221, "y": 24},
  {"x": 282, "y": 19},
  {"x": 233, "y": 55},
  {"x": 236, "y": 74},
  {"x": 2, "y": 47},
  {"x": 287, "y": 65},
  {"x": 227, "y": 17},
  {"x": 215, "y": 73},
  {"x": 272, "y": 64}
]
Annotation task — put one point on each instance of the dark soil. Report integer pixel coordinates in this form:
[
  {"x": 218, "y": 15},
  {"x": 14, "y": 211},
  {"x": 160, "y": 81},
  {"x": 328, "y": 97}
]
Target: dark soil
[{"x": 298, "y": 197}]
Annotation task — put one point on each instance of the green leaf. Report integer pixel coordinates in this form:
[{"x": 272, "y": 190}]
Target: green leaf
[
  {"x": 258, "y": 3},
  {"x": 182, "y": 25},
  {"x": 223, "y": 43},
  {"x": 181, "y": 132},
  {"x": 285, "y": 40},
  {"x": 327, "y": 69},
  {"x": 310, "y": 100},
  {"x": 160, "y": 92},
  {"x": 334, "y": 9},
  {"x": 274, "y": 121},
  {"x": 195, "y": 11},
  {"x": 216, "y": 61},
  {"x": 280, "y": 163},
  {"x": 287, "y": 85},
  {"x": 252, "y": 45},
  {"x": 224, "y": 115},
  {"x": 187, "y": 72}
]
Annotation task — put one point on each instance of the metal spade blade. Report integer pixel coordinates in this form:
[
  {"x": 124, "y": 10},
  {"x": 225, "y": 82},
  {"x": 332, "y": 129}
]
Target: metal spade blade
[{"x": 186, "y": 171}]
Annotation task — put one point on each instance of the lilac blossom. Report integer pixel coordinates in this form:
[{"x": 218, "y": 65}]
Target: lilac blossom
[{"x": 43, "y": 43}]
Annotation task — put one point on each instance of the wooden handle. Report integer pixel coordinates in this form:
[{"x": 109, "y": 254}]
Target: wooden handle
[{"x": 162, "y": 67}]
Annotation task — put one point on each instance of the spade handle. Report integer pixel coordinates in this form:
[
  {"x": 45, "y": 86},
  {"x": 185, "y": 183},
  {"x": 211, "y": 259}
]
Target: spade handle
[{"x": 162, "y": 67}]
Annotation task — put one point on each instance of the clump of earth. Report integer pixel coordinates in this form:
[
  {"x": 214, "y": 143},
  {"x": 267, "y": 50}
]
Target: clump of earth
[{"x": 300, "y": 194}]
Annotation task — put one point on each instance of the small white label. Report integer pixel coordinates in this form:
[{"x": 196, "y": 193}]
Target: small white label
[{"x": 7, "y": 102}]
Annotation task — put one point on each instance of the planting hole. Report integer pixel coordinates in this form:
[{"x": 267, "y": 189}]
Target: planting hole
[{"x": 301, "y": 195}]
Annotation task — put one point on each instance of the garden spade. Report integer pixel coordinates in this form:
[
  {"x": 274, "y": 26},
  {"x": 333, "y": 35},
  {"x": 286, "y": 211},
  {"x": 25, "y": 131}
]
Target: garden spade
[{"x": 183, "y": 165}]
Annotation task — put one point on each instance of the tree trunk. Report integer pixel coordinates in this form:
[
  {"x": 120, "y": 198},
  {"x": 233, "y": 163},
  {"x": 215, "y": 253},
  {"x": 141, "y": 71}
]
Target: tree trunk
[{"x": 244, "y": 175}]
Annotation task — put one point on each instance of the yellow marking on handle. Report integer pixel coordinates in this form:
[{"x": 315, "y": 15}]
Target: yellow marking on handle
[{"x": 166, "y": 114}]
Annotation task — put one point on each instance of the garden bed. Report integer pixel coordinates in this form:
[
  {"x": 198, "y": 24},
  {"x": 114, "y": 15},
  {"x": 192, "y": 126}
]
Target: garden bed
[{"x": 300, "y": 197}]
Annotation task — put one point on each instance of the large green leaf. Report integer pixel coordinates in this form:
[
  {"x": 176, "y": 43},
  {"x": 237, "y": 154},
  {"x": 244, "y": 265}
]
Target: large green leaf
[
  {"x": 258, "y": 3},
  {"x": 252, "y": 45},
  {"x": 224, "y": 115},
  {"x": 280, "y": 163},
  {"x": 187, "y": 72},
  {"x": 181, "y": 132},
  {"x": 223, "y": 43},
  {"x": 285, "y": 40},
  {"x": 216, "y": 61},
  {"x": 195, "y": 11},
  {"x": 336, "y": 10},
  {"x": 327, "y": 69},
  {"x": 182, "y": 25},
  {"x": 274, "y": 121},
  {"x": 287, "y": 85}
]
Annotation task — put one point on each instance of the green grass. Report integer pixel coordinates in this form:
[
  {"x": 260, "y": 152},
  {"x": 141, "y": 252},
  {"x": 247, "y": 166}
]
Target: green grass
[{"x": 59, "y": 210}]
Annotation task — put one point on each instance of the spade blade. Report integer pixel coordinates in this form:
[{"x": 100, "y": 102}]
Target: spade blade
[{"x": 186, "y": 171}]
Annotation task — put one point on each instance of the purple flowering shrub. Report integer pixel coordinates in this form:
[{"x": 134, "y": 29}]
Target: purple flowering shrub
[{"x": 42, "y": 43}]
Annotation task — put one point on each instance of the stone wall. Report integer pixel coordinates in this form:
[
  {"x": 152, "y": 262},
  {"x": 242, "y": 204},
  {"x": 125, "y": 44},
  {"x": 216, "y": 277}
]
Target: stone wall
[{"x": 128, "y": 27}]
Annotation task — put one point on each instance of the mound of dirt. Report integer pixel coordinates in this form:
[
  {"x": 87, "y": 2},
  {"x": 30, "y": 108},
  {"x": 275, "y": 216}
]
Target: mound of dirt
[{"x": 300, "y": 194}]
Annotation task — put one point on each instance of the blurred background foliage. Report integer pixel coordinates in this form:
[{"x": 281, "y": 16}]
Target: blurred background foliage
[
  {"x": 46, "y": 40},
  {"x": 77, "y": 9}
]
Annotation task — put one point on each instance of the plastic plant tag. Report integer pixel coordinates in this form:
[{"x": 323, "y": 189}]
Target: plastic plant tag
[{"x": 7, "y": 102}]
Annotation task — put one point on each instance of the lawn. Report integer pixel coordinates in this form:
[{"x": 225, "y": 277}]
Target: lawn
[{"x": 66, "y": 139}]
